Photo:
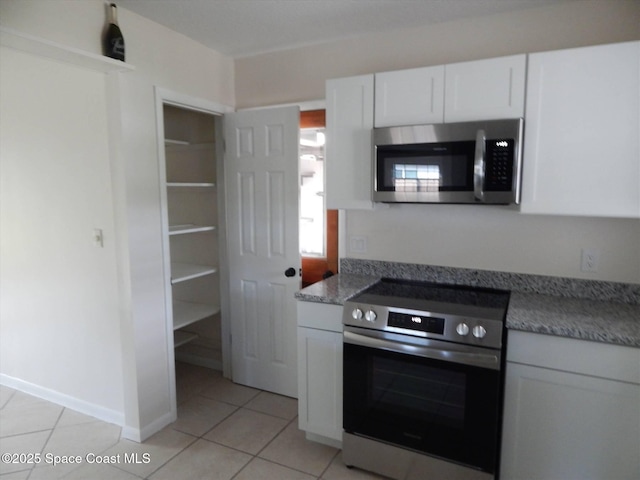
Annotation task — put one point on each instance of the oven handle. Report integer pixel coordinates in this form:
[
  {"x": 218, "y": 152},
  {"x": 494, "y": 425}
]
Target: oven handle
[
  {"x": 483, "y": 360},
  {"x": 479, "y": 165}
]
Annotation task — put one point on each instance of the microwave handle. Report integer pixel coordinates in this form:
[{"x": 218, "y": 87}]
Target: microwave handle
[{"x": 479, "y": 165}]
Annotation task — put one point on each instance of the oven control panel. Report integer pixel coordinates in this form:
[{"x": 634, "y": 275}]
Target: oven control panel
[
  {"x": 453, "y": 328},
  {"x": 418, "y": 323},
  {"x": 477, "y": 331}
]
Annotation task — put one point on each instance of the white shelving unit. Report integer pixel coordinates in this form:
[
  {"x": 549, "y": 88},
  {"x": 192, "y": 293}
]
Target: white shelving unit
[
  {"x": 186, "y": 313},
  {"x": 62, "y": 53},
  {"x": 181, "y": 272},
  {"x": 182, "y": 338},
  {"x": 189, "y": 228},
  {"x": 191, "y": 219},
  {"x": 190, "y": 185}
]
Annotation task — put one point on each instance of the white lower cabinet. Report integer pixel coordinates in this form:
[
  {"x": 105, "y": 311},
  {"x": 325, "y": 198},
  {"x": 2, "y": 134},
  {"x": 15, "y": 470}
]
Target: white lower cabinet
[
  {"x": 572, "y": 410},
  {"x": 320, "y": 372}
]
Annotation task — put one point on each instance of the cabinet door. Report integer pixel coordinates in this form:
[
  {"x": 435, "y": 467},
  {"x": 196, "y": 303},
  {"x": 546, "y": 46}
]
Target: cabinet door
[
  {"x": 485, "y": 89},
  {"x": 409, "y": 97},
  {"x": 348, "y": 164},
  {"x": 320, "y": 382},
  {"x": 569, "y": 426},
  {"x": 582, "y": 129}
]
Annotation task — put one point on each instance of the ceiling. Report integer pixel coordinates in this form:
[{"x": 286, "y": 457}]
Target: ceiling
[{"x": 240, "y": 28}]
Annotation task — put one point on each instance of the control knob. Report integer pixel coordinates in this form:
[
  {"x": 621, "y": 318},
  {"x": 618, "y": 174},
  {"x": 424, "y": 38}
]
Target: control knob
[
  {"x": 370, "y": 316},
  {"x": 479, "y": 331},
  {"x": 462, "y": 329},
  {"x": 356, "y": 314}
]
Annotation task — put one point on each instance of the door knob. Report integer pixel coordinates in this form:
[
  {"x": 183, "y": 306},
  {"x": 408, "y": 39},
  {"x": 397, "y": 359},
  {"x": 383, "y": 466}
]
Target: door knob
[{"x": 290, "y": 272}]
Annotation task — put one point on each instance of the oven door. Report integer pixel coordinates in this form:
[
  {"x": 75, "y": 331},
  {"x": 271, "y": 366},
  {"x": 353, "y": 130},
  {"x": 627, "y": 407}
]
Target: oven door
[{"x": 436, "y": 398}]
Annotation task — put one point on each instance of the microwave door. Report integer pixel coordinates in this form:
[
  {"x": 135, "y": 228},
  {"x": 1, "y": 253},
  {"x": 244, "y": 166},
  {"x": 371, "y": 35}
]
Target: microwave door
[
  {"x": 435, "y": 172},
  {"x": 479, "y": 165}
]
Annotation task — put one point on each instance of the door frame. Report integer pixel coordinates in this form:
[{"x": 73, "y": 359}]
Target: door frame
[{"x": 163, "y": 97}]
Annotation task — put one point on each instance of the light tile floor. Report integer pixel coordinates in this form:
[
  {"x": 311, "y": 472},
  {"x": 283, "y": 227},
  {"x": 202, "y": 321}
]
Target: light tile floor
[{"x": 224, "y": 431}]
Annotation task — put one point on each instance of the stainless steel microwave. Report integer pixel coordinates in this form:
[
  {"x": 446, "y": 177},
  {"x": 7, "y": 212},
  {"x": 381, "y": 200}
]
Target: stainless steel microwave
[{"x": 470, "y": 162}]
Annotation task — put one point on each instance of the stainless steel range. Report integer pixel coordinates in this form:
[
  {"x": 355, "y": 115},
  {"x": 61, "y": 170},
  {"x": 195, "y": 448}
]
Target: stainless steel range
[{"x": 423, "y": 380}]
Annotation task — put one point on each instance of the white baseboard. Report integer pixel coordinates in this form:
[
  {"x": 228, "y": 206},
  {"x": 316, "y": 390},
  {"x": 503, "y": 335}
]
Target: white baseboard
[
  {"x": 82, "y": 406},
  {"x": 141, "y": 434},
  {"x": 332, "y": 442},
  {"x": 101, "y": 413}
]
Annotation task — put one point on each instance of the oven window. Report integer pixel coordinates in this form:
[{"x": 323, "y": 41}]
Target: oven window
[
  {"x": 434, "y": 395},
  {"x": 433, "y": 406}
]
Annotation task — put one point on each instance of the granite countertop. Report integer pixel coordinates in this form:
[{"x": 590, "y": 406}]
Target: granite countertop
[
  {"x": 337, "y": 289},
  {"x": 581, "y": 318},
  {"x": 585, "y": 319}
]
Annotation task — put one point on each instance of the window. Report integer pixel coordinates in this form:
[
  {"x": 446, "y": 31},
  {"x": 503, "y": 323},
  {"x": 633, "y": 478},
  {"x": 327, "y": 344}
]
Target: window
[
  {"x": 312, "y": 211},
  {"x": 416, "y": 178}
]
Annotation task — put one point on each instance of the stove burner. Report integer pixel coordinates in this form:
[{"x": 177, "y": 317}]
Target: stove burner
[{"x": 461, "y": 295}]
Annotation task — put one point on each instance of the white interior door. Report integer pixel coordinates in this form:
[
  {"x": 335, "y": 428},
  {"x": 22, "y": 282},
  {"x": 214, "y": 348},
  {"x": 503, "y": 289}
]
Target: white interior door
[{"x": 261, "y": 175}]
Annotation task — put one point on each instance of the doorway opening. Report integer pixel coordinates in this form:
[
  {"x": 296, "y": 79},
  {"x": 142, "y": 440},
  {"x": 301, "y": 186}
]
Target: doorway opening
[{"x": 318, "y": 226}]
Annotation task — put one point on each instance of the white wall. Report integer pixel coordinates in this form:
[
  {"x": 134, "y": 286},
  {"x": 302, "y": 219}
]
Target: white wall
[
  {"x": 490, "y": 238},
  {"x": 300, "y": 74},
  {"x": 164, "y": 57},
  {"x": 60, "y": 306},
  {"x": 132, "y": 280},
  {"x": 497, "y": 238}
]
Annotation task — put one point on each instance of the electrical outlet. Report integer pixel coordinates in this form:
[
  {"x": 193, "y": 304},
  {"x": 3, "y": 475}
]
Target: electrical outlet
[
  {"x": 358, "y": 244},
  {"x": 590, "y": 259}
]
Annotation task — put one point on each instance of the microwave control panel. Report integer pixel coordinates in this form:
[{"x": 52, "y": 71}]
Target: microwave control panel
[{"x": 499, "y": 165}]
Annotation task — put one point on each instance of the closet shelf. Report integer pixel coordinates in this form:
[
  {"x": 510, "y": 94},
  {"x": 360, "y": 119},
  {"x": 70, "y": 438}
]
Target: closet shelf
[
  {"x": 184, "y": 144},
  {"x": 190, "y": 184},
  {"x": 189, "y": 228},
  {"x": 180, "y": 338},
  {"x": 174, "y": 142},
  {"x": 181, "y": 272},
  {"x": 186, "y": 313}
]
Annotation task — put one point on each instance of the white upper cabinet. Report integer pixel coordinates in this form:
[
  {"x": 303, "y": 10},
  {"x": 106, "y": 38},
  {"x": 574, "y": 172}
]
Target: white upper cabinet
[
  {"x": 409, "y": 97},
  {"x": 348, "y": 180},
  {"x": 582, "y": 147},
  {"x": 485, "y": 89},
  {"x": 459, "y": 92}
]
